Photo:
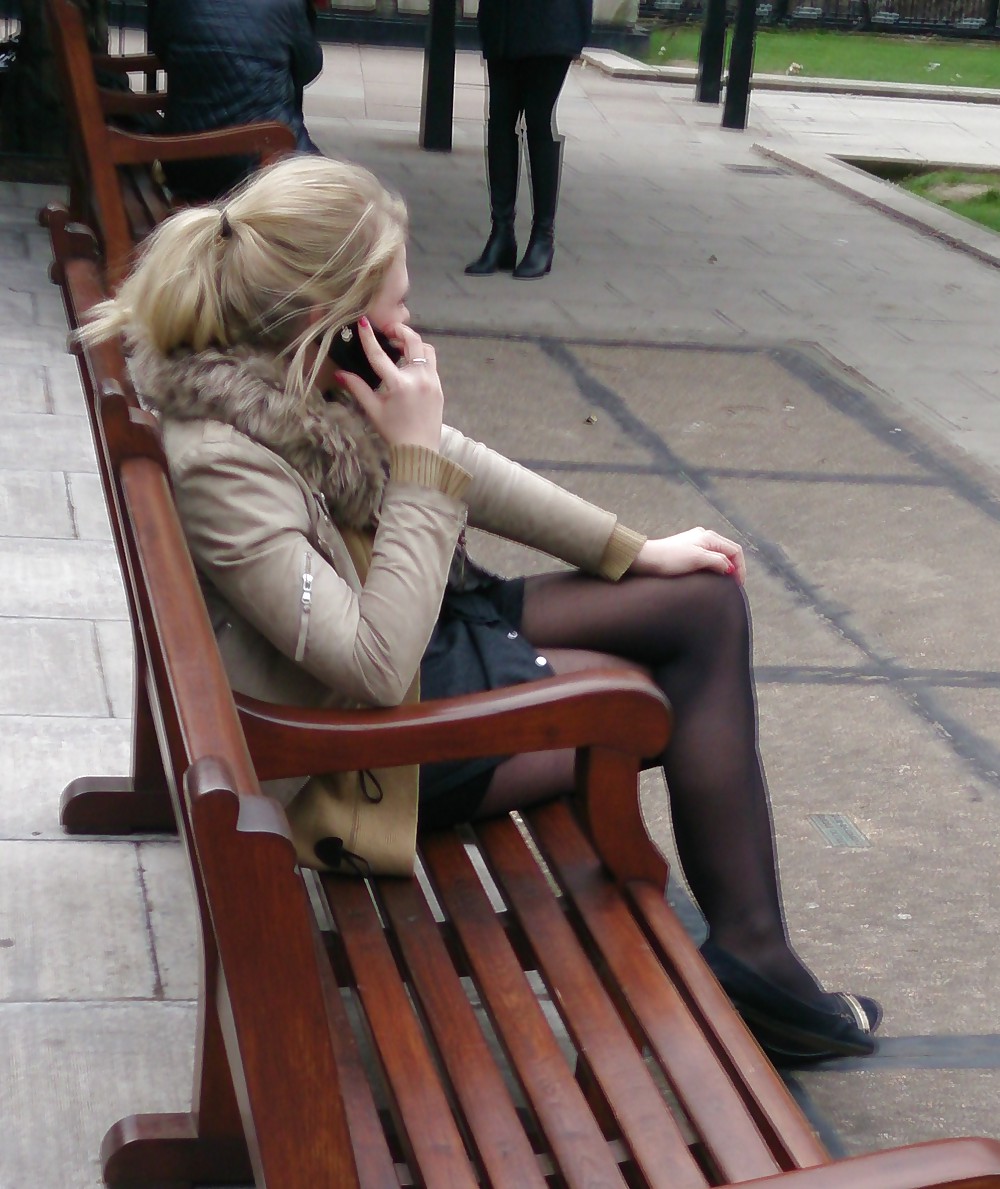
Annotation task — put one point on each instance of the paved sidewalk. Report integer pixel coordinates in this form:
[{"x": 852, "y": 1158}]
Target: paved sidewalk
[{"x": 791, "y": 348}]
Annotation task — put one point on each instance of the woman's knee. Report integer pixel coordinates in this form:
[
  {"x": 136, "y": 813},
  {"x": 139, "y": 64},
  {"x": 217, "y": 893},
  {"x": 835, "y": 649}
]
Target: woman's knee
[{"x": 710, "y": 607}]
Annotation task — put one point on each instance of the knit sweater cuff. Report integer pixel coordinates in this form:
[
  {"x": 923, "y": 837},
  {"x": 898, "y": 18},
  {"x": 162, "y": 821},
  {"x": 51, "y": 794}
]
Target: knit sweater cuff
[
  {"x": 419, "y": 464},
  {"x": 620, "y": 552}
]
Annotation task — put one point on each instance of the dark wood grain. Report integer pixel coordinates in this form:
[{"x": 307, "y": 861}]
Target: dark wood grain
[
  {"x": 554, "y": 1097},
  {"x": 616, "y": 1068},
  {"x": 500, "y": 1147}
]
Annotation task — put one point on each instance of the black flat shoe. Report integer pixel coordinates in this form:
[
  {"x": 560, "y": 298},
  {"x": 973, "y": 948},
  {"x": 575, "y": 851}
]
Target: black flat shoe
[{"x": 789, "y": 1028}]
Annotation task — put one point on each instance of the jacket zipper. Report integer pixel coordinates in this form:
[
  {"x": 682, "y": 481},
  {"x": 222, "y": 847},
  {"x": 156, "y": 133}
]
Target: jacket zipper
[{"x": 306, "y": 606}]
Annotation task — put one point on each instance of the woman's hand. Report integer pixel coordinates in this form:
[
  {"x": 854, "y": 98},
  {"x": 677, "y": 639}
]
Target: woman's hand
[
  {"x": 683, "y": 553},
  {"x": 408, "y": 406}
]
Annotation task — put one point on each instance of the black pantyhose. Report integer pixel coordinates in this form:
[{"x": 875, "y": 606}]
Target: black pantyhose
[{"x": 693, "y": 635}]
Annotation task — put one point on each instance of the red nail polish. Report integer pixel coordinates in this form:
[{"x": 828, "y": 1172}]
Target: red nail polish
[
  {"x": 731, "y": 568},
  {"x": 363, "y": 321}
]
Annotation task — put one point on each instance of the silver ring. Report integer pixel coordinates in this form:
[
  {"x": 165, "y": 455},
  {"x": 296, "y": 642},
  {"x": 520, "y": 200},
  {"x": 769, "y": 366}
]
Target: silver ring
[{"x": 416, "y": 359}]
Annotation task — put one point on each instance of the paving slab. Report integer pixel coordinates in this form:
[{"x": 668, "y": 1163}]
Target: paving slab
[
  {"x": 40, "y": 755},
  {"x": 172, "y": 918},
  {"x": 35, "y": 504},
  {"x": 90, "y": 513},
  {"x": 50, "y": 442},
  {"x": 63, "y": 579},
  {"x": 50, "y": 667},
  {"x": 106, "y": 955},
  {"x": 68, "y": 1071}
]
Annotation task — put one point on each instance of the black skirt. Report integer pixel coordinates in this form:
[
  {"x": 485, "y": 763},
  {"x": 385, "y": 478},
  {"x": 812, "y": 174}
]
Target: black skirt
[{"x": 477, "y": 645}]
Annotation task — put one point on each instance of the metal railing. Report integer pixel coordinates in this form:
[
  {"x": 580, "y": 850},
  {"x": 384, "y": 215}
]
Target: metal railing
[{"x": 953, "y": 18}]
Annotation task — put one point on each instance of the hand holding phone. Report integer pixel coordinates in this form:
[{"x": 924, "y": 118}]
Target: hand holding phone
[
  {"x": 348, "y": 353},
  {"x": 405, "y": 404}
]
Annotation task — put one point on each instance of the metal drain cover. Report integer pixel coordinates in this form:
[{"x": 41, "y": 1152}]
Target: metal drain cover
[
  {"x": 773, "y": 171},
  {"x": 839, "y": 830}
]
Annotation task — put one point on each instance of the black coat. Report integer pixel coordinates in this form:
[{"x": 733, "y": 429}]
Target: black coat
[
  {"x": 533, "y": 28},
  {"x": 235, "y": 61}
]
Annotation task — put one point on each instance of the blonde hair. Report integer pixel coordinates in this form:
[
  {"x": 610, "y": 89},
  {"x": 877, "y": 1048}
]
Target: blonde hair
[{"x": 305, "y": 234}]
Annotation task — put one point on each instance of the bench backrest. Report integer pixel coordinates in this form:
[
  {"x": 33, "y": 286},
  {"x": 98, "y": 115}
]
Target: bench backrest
[
  {"x": 113, "y": 184},
  {"x": 183, "y": 689},
  {"x": 240, "y": 852}
]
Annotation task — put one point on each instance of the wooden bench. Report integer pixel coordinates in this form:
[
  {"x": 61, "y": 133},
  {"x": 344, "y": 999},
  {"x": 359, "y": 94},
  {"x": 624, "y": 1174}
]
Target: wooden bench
[
  {"x": 114, "y": 178},
  {"x": 341, "y": 1041}
]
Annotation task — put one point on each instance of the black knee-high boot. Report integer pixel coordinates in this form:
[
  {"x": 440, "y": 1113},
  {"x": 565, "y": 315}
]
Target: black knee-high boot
[
  {"x": 545, "y": 159},
  {"x": 503, "y": 157}
]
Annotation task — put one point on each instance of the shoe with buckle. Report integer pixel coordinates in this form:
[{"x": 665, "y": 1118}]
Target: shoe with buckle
[{"x": 792, "y": 1029}]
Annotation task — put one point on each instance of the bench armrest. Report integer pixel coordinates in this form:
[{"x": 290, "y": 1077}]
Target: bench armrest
[
  {"x": 615, "y": 720},
  {"x": 127, "y": 63},
  {"x": 267, "y": 137},
  {"x": 607, "y": 708},
  {"x": 955, "y": 1163},
  {"x": 129, "y": 103}
]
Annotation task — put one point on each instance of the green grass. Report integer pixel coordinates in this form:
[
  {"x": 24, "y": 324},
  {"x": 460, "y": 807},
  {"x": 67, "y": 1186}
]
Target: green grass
[
  {"x": 895, "y": 58},
  {"x": 985, "y": 209}
]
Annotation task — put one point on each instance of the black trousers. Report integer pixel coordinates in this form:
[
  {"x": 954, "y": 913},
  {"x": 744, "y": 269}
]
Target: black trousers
[
  {"x": 525, "y": 85},
  {"x": 528, "y": 87}
]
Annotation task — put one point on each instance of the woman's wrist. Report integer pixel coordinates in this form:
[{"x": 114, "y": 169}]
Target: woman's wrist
[
  {"x": 410, "y": 463},
  {"x": 621, "y": 552}
]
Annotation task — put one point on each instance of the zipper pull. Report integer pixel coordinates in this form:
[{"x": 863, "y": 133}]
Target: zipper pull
[{"x": 305, "y": 600}]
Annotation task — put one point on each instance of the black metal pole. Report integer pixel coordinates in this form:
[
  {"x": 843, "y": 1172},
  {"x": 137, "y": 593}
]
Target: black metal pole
[
  {"x": 437, "y": 104},
  {"x": 711, "y": 52},
  {"x": 734, "y": 111},
  {"x": 991, "y": 20}
]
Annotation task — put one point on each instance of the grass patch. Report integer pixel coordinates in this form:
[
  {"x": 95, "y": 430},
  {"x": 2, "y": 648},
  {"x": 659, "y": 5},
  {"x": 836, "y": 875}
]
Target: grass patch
[
  {"x": 969, "y": 192},
  {"x": 830, "y": 53}
]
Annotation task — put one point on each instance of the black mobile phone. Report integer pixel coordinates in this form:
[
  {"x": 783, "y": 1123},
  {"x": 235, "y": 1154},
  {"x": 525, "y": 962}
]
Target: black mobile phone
[{"x": 348, "y": 353}]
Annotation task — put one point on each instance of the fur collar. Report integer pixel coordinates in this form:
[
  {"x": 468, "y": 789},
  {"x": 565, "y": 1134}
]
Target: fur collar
[{"x": 330, "y": 444}]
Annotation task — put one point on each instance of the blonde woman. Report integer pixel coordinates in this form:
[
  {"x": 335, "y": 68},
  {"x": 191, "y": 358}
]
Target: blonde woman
[{"x": 326, "y": 518}]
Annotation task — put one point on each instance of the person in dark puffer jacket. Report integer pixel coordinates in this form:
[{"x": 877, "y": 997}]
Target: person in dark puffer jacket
[
  {"x": 232, "y": 62},
  {"x": 528, "y": 46}
]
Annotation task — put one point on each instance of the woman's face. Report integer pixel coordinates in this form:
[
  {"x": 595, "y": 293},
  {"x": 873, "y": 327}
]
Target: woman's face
[
  {"x": 385, "y": 313},
  {"x": 389, "y": 307}
]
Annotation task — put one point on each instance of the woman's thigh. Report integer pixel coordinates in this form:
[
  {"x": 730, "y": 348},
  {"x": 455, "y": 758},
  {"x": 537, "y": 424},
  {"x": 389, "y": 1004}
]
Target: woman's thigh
[
  {"x": 505, "y": 93},
  {"x": 541, "y": 81},
  {"x": 537, "y": 776},
  {"x": 650, "y": 620}
]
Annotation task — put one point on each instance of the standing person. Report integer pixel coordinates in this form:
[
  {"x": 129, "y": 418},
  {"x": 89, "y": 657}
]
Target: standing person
[
  {"x": 326, "y": 516},
  {"x": 232, "y": 62},
  {"x": 528, "y": 46}
]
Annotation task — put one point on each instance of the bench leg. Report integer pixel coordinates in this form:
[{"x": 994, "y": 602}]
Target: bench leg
[
  {"x": 137, "y": 804},
  {"x": 166, "y": 1152},
  {"x": 203, "y": 1146},
  {"x": 114, "y": 805}
]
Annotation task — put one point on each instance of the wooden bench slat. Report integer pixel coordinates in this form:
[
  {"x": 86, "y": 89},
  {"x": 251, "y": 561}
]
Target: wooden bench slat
[
  {"x": 719, "y": 1116},
  {"x": 371, "y": 1150},
  {"x": 776, "y": 1115},
  {"x": 572, "y": 1136},
  {"x": 502, "y": 1149},
  {"x": 649, "y": 1131},
  {"x": 427, "y": 1129}
]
